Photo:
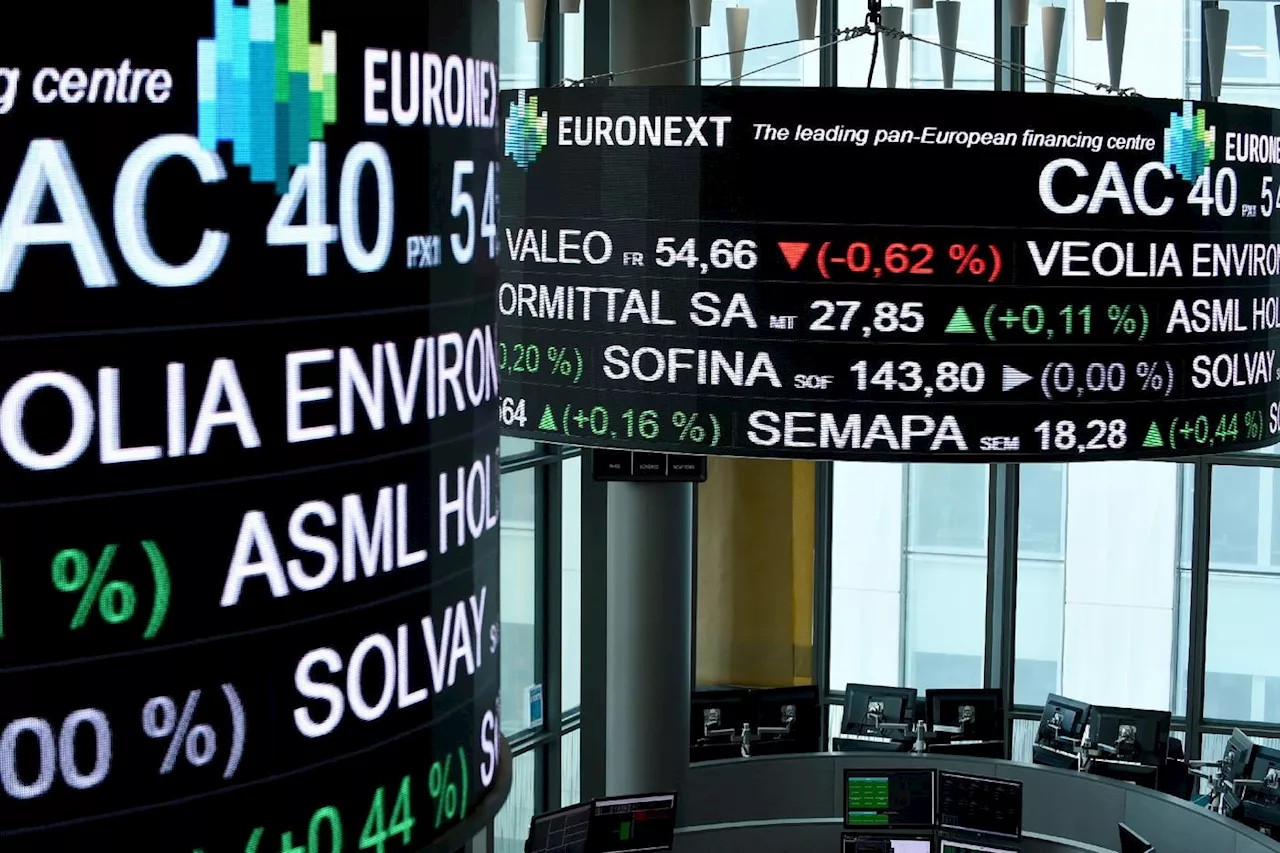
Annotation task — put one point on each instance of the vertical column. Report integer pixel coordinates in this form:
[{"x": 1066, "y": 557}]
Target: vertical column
[
  {"x": 644, "y": 33},
  {"x": 650, "y": 611},
  {"x": 650, "y": 526}
]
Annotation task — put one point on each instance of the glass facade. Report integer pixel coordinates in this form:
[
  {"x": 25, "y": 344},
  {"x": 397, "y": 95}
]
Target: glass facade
[{"x": 1109, "y": 562}]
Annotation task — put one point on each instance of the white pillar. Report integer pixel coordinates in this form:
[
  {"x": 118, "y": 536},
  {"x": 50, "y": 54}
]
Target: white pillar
[
  {"x": 1216, "y": 23},
  {"x": 1093, "y": 16},
  {"x": 535, "y": 16},
  {"x": 700, "y": 13},
  {"x": 1019, "y": 13},
  {"x": 1117, "y": 19},
  {"x": 1052, "y": 21},
  {"x": 948, "y": 34},
  {"x": 807, "y": 18},
  {"x": 735, "y": 19},
  {"x": 891, "y": 17}
]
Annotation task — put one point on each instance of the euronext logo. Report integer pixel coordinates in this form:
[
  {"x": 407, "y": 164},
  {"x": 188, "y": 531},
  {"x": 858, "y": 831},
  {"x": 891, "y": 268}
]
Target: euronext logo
[
  {"x": 1189, "y": 146},
  {"x": 526, "y": 132},
  {"x": 263, "y": 87}
]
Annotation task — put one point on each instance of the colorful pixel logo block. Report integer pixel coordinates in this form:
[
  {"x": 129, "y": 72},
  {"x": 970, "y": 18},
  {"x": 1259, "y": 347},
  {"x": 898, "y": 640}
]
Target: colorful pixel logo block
[
  {"x": 526, "y": 132},
  {"x": 264, "y": 88},
  {"x": 1189, "y": 146}
]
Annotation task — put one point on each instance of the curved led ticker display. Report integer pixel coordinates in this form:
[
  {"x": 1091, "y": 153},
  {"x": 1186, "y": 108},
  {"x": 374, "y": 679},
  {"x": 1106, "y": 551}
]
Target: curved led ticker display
[
  {"x": 858, "y": 274},
  {"x": 249, "y": 427}
]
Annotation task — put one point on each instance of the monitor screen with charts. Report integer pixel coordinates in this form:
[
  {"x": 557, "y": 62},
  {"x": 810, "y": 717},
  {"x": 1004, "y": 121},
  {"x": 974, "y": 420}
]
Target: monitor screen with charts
[
  {"x": 562, "y": 831},
  {"x": 633, "y": 824},
  {"x": 980, "y": 804},
  {"x": 855, "y": 843},
  {"x": 889, "y": 799}
]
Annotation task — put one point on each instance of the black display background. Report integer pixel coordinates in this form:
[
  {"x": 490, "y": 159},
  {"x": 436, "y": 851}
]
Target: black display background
[
  {"x": 935, "y": 195},
  {"x": 258, "y": 306}
]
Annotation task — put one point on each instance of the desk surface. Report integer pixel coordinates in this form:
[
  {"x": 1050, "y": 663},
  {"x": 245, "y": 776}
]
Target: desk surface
[{"x": 754, "y": 805}]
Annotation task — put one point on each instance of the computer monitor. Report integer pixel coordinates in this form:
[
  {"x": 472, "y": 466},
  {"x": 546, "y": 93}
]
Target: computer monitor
[
  {"x": 1237, "y": 755},
  {"x": 853, "y": 842},
  {"x": 632, "y": 824},
  {"x": 1130, "y": 744},
  {"x": 1062, "y": 724},
  {"x": 875, "y": 709},
  {"x": 560, "y": 831},
  {"x": 716, "y": 718},
  {"x": 889, "y": 799},
  {"x": 980, "y": 805},
  {"x": 1262, "y": 795},
  {"x": 967, "y": 722},
  {"x": 788, "y": 721},
  {"x": 1132, "y": 842}
]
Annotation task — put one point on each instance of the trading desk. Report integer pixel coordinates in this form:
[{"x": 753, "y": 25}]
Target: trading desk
[{"x": 792, "y": 804}]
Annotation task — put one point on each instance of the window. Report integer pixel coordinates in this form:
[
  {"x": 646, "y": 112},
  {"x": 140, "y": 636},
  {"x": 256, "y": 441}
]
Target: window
[
  {"x": 920, "y": 62},
  {"x": 949, "y": 508},
  {"x": 573, "y": 46},
  {"x": 1250, "y": 59},
  {"x": 571, "y": 768},
  {"x": 511, "y": 825},
  {"x": 1161, "y": 47},
  {"x": 509, "y": 447},
  {"x": 518, "y": 63},
  {"x": 1242, "y": 674},
  {"x": 571, "y": 584},
  {"x": 770, "y": 21},
  {"x": 908, "y": 574},
  {"x": 518, "y": 615},
  {"x": 1096, "y": 614}
]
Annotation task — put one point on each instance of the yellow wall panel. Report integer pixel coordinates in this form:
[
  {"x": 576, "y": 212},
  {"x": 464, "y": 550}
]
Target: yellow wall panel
[{"x": 755, "y": 573}]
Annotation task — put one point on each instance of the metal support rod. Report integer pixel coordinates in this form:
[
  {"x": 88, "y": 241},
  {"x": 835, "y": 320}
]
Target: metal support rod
[
  {"x": 551, "y": 51},
  {"x": 593, "y": 736},
  {"x": 824, "y": 490},
  {"x": 1002, "y": 582},
  {"x": 828, "y": 61},
  {"x": 551, "y": 608},
  {"x": 1202, "y": 493}
]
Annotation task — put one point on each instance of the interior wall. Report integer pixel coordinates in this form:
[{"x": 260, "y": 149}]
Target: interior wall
[{"x": 755, "y": 573}]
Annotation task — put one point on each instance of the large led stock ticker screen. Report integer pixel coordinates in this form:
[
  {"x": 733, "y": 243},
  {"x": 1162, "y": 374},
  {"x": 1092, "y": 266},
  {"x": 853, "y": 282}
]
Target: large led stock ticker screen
[
  {"x": 860, "y": 274},
  {"x": 249, "y": 427}
]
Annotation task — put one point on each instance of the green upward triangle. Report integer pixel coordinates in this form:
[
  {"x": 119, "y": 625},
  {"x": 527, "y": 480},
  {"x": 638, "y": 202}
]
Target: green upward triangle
[
  {"x": 1153, "y": 438},
  {"x": 548, "y": 421},
  {"x": 959, "y": 324}
]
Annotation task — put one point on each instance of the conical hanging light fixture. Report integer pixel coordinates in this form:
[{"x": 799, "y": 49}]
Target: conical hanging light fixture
[
  {"x": 735, "y": 19},
  {"x": 700, "y": 13},
  {"x": 1117, "y": 21},
  {"x": 535, "y": 18},
  {"x": 1093, "y": 19},
  {"x": 948, "y": 34},
  {"x": 1053, "y": 19},
  {"x": 807, "y": 18},
  {"x": 1019, "y": 13},
  {"x": 921, "y": 4},
  {"x": 1216, "y": 23},
  {"x": 891, "y": 46},
  {"x": 570, "y": 7}
]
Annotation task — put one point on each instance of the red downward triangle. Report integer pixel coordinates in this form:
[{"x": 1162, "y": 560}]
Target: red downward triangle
[{"x": 793, "y": 252}]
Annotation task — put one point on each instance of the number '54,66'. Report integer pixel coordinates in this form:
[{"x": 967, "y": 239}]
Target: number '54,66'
[{"x": 301, "y": 218}]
